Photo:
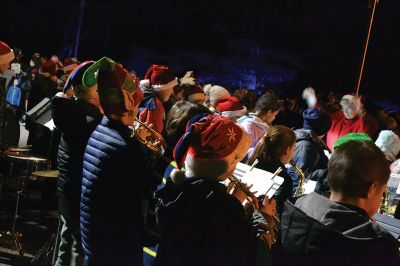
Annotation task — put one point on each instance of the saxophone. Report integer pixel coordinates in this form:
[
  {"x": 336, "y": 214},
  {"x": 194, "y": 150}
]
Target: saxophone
[
  {"x": 383, "y": 208},
  {"x": 299, "y": 190}
]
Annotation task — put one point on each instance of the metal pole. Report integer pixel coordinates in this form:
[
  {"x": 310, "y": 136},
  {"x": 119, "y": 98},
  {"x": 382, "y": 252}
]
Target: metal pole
[
  {"x": 78, "y": 31},
  {"x": 366, "y": 47}
]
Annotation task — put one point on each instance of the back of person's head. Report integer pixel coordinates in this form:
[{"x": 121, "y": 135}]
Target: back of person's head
[
  {"x": 118, "y": 90},
  {"x": 389, "y": 143},
  {"x": 267, "y": 102},
  {"x": 178, "y": 116},
  {"x": 211, "y": 147},
  {"x": 355, "y": 166},
  {"x": 247, "y": 98},
  {"x": 316, "y": 120},
  {"x": 273, "y": 145}
]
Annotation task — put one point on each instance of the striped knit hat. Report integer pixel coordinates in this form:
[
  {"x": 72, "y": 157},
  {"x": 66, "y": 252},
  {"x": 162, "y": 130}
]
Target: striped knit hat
[{"x": 116, "y": 86}]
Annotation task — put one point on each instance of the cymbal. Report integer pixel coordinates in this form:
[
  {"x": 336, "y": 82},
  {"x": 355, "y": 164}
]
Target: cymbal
[
  {"x": 47, "y": 173},
  {"x": 24, "y": 156}
]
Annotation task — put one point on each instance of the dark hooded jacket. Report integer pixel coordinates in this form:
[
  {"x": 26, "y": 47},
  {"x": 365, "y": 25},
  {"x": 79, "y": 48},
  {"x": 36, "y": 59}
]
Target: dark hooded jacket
[
  {"x": 76, "y": 119},
  {"x": 201, "y": 224},
  {"x": 318, "y": 231},
  {"x": 309, "y": 156}
]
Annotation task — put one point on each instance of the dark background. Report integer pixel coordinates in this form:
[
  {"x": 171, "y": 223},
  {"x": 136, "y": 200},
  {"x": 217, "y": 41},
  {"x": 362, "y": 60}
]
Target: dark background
[{"x": 259, "y": 44}]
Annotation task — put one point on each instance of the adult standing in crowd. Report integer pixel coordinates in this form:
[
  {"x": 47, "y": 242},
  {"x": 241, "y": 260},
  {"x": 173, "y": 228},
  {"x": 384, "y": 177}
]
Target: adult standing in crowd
[
  {"x": 117, "y": 171},
  {"x": 76, "y": 118}
]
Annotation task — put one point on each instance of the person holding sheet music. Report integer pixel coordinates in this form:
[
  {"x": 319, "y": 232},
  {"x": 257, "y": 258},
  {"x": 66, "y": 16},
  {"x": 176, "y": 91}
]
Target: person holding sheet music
[
  {"x": 309, "y": 153},
  {"x": 274, "y": 150},
  {"x": 200, "y": 223},
  {"x": 340, "y": 230}
]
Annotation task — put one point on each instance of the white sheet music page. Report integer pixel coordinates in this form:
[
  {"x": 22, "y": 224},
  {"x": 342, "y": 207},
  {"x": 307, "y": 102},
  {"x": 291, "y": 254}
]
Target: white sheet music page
[{"x": 261, "y": 180}]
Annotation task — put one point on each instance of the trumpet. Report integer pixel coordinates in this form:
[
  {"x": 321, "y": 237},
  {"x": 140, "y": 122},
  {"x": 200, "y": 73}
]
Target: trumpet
[
  {"x": 255, "y": 202},
  {"x": 156, "y": 145}
]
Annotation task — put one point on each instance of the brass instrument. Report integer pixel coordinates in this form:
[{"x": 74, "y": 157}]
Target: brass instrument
[
  {"x": 299, "y": 190},
  {"x": 256, "y": 202},
  {"x": 156, "y": 145},
  {"x": 383, "y": 208}
]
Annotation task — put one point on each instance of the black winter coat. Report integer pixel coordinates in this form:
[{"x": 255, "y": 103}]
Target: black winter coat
[
  {"x": 76, "y": 119},
  {"x": 201, "y": 224},
  {"x": 317, "y": 231}
]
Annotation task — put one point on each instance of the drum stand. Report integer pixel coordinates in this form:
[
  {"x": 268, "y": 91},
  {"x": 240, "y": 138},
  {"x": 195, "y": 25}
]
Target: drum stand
[{"x": 14, "y": 237}]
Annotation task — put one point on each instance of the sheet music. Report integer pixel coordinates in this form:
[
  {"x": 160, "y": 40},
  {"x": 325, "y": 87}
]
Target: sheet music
[
  {"x": 309, "y": 186},
  {"x": 262, "y": 181}
]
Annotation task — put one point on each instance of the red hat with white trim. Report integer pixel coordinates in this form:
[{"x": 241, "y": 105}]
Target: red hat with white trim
[
  {"x": 230, "y": 107},
  {"x": 6, "y": 53},
  {"x": 208, "y": 137},
  {"x": 159, "y": 77}
]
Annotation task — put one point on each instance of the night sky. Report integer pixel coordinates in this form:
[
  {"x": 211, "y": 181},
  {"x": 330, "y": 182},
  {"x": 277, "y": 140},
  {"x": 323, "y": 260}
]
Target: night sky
[{"x": 284, "y": 44}]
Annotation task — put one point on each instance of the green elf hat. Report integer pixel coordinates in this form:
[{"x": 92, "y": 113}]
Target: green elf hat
[
  {"x": 352, "y": 136},
  {"x": 116, "y": 86}
]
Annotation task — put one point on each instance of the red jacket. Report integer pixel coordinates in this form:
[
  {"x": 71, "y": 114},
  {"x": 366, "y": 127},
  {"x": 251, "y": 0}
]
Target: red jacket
[{"x": 342, "y": 126}]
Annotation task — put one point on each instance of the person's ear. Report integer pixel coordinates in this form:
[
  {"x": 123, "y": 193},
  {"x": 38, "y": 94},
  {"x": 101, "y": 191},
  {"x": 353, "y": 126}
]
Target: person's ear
[
  {"x": 372, "y": 189},
  {"x": 129, "y": 102}
]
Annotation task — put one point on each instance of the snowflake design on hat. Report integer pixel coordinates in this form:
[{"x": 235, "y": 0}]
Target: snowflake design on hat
[{"x": 231, "y": 134}]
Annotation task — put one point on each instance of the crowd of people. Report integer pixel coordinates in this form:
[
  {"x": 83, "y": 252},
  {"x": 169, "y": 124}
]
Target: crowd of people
[{"x": 117, "y": 196}]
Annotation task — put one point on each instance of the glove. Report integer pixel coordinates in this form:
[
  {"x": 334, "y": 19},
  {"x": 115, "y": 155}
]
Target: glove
[
  {"x": 188, "y": 79},
  {"x": 309, "y": 97}
]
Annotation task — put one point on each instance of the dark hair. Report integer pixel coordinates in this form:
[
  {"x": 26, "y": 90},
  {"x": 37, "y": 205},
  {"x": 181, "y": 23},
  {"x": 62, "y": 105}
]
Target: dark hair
[
  {"x": 247, "y": 98},
  {"x": 273, "y": 145},
  {"x": 266, "y": 103},
  {"x": 354, "y": 166},
  {"x": 178, "y": 116}
]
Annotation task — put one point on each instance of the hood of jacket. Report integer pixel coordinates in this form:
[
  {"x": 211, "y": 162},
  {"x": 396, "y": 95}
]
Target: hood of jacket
[
  {"x": 251, "y": 118},
  {"x": 319, "y": 229}
]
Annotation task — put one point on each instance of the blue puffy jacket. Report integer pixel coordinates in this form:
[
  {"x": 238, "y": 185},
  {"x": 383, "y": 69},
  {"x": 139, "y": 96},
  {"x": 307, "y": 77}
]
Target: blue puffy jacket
[{"x": 116, "y": 180}]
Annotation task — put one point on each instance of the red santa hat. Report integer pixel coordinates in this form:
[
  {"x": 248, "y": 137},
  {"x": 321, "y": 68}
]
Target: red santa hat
[
  {"x": 208, "y": 137},
  {"x": 193, "y": 94},
  {"x": 6, "y": 53},
  {"x": 230, "y": 107},
  {"x": 70, "y": 64},
  {"x": 159, "y": 77}
]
